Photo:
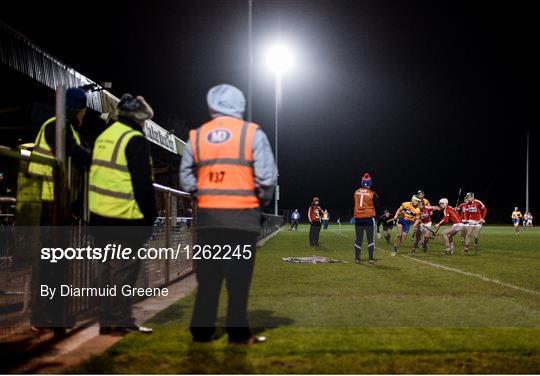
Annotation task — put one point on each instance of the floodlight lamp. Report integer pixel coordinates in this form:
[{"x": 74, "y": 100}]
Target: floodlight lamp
[{"x": 279, "y": 58}]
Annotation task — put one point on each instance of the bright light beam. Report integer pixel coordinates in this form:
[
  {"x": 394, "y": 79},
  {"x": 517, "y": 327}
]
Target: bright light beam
[{"x": 280, "y": 58}]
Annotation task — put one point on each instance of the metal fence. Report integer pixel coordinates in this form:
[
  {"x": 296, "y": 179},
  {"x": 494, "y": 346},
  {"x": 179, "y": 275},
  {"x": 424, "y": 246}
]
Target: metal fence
[
  {"x": 17, "y": 261},
  {"x": 270, "y": 224},
  {"x": 173, "y": 227},
  {"x": 18, "y": 257},
  {"x": 16, "y": 282}
]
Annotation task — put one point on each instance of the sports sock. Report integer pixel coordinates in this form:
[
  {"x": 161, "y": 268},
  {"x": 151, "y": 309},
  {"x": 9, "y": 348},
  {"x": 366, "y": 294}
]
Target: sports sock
[{"x": 371, "y": 251}]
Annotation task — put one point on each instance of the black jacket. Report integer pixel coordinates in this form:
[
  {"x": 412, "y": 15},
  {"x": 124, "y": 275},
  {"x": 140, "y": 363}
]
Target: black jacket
[
  {"x": 81, "y": 156},
  {"x": 384, "y": 221}
]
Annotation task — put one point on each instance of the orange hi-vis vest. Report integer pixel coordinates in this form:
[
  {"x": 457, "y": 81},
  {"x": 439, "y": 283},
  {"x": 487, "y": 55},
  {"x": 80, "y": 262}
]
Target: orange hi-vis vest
[
  {"x": 223, "y": 154},
  {"x": 363, "y": 203}
]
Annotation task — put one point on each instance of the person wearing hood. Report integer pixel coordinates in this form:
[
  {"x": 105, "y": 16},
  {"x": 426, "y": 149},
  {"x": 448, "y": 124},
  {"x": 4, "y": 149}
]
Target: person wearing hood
[
  {"x": 48, "y": 313},
  {"x": 122, "y": 206},
  {"x": 229, "y": 167}
]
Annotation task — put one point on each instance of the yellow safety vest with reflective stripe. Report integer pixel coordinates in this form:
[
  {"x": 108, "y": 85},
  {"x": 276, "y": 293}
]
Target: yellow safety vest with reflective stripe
[
  {"x": 110, "y": 187},
  {"x": 43, "y": 149}
]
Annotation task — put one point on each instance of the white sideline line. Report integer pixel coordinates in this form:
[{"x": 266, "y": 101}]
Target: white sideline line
[
  {"x": 263, "y": 241},
  {"x": 474, "y": 275},
  {"x": 483, "y": 278}
]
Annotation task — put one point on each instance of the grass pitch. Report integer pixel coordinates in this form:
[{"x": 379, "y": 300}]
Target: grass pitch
[{"x": 425, "y": 313}]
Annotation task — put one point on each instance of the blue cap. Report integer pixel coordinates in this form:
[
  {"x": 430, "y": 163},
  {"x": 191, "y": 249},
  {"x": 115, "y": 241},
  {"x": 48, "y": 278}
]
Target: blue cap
[{"x": 76, "y": 98}]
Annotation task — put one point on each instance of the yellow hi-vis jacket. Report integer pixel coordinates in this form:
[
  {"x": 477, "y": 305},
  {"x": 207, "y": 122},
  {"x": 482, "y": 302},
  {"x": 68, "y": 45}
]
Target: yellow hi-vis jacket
[
  {"x": 110, "y": 187},
  {"x": 43, "y": 149}
]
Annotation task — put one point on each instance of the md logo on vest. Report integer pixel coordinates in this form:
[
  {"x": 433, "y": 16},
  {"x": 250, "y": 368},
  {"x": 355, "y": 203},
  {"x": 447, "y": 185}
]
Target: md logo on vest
[{"x": 219, "y": 136}]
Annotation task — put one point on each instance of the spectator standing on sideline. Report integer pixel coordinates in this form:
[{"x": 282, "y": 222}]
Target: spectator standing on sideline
[
  {"x": 229, "y": 167},
  {"x": 122, "y": 207},
  {"x": 314, "y": 217},
  {"x": 48, "y": 313},
  {"x": 325, "y": 219},
  {"x": 295, "y": 217}
]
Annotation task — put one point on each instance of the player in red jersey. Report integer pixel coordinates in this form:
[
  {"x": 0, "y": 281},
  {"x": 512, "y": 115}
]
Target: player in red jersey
[
  {"x": 450, "y": 215},
  {"x": 475, "y": 214},
  {"x": 424, "y": 231},
  {"x": 461, "y": 211}
]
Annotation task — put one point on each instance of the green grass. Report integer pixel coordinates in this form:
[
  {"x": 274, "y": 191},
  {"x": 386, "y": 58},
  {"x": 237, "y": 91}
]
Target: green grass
[{"x": 401, "y": 316}]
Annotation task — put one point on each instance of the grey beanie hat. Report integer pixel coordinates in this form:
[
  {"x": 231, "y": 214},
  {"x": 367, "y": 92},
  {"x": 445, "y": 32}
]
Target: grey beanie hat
[
  {"x": 227, "y": 100},
  {"x": 134, "y": 108}
]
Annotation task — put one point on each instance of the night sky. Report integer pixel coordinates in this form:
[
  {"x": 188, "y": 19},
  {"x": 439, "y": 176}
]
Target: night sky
[{"x": 433, "y": 96}]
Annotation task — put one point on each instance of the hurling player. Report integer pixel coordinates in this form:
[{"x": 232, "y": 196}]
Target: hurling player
[
  {"x": 475, "y": 214},
  {"x": 450, "y": 215},
  {"x": 407, "y": 217},
  {"x": 423, "y": 234},
  {"x": 516, "y": 217},
  {"x": 461, "y": 211}
]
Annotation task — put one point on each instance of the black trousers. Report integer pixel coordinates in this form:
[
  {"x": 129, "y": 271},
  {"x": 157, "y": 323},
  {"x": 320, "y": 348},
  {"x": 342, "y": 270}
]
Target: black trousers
[
  {"x": 314, "y": 231},
  {"x": 366, "y": 225},
  {"x": 294, "y": 224},
  {"x": 237, "y": 274},
  {"x": 117, "y": 310}
]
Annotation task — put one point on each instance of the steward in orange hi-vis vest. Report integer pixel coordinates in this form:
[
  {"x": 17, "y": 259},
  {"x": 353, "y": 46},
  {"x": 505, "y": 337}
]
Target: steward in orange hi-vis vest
[
  {"x": 228, "y": 165},
  {"x": 222, "y": 150}
]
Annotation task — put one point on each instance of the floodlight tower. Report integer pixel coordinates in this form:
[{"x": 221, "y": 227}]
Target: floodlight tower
[
  {"x": 279, "y": 59},
  {"x": 527, "y": 176}
]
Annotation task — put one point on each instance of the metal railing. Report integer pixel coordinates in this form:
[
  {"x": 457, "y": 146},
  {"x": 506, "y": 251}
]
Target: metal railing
[
  {"x": 16, "y": 267},
  {"x": 270, "y": 224},
  {"x": 174, "y": 226},
  {"x": 7, "y": 217}
]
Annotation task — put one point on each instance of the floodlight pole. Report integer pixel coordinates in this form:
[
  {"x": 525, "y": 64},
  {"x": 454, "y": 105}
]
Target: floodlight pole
[
  {"x": 250, "y": 69},
  {"x": 527, "y": 176},
  {"x": 278, "y": 101}
]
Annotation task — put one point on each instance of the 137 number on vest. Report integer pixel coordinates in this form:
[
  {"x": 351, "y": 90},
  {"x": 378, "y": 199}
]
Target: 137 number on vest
[{"x": 217, "y": 176}]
